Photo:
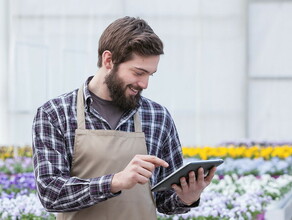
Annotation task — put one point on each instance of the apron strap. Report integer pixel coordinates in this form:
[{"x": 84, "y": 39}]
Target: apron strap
[
  {"x": 81, "y": 113},
  {"x": 137, "y": 122},
  {"x": 80, "y": 109}
]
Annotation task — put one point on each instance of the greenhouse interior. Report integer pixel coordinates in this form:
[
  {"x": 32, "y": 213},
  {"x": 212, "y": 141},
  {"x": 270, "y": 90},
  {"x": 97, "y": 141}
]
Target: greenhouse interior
[{"x": 223, "y": 84}]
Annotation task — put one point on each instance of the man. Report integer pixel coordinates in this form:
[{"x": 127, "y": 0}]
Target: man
[{"x": 99, "y": 149}]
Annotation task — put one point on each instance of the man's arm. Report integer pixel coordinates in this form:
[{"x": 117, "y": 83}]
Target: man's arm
[
  {"x": 171, "y": 201},
  {"x": 57, "y": 190}
]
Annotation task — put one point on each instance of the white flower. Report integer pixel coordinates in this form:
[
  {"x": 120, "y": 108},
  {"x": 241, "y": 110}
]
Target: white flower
[
  {"x": 252, "y": 208},
  {"x": 4, "y": 215},
  {"x": 214, "y": 213}
]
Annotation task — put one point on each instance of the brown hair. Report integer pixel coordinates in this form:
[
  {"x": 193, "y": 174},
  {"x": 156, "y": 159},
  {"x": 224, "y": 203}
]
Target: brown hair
[{"x": 126, "y": 36}]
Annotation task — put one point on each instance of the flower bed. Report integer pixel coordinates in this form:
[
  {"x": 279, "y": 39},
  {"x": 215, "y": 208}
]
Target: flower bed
[
  {"x": 16, "y": 165},
  {"x": 251, "y": 177},
  {"x": 257, "y": 167},
  {"x": 17, "y": 184},
  {"x": 25, "y": 207},
  {"x": 242, "y": 166},
  {"x": 228, "y": 197},
  {"x": 234, "y": 197},
  {"x": 14, "y": 151},
  {"x": 236, "y": 152},
  {"x": 233, "y": 150}
]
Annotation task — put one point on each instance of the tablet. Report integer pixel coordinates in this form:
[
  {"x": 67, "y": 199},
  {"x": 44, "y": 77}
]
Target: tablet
[{"x": 174, "y": 178}]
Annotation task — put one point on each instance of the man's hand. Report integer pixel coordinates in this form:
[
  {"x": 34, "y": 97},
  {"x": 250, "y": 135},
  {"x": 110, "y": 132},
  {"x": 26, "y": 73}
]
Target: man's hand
[
  {"x": 139, "y": 170},
  {"x": 189, "y": 192}
]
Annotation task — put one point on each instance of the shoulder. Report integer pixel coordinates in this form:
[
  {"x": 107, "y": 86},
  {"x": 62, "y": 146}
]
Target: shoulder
[
  {"x": 156, "y": 112},
  {"x": 59, "y": 106},
  {"x": 152, "y": 106}
]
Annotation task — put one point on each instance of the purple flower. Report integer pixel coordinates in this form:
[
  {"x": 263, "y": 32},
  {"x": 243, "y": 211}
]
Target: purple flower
[{"x": 22, "y": 183}]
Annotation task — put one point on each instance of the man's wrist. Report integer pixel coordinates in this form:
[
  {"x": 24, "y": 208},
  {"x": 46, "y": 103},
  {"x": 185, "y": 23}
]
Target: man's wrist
[
  {"x": 115, "y": 184},
  {"x": 193, "y": 204}
]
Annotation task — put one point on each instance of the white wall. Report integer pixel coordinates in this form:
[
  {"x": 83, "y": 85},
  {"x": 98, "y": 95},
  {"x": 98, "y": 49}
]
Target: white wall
[
  {"x": 270, "y": 70},
  {"x": 205, "y": 77},
  {"x": 4, "y": 42}
]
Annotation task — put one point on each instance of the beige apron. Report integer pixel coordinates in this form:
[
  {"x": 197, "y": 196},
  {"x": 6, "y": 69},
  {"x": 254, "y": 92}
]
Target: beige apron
[{"x": 102, "y": 152}]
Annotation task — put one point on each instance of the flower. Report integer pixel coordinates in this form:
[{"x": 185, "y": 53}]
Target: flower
[
  {"x": 23, "y": 205},
  {"x": 23, "y": 184},
  {"x": 233, "y": 151},
  {"x": 237, "y": 197},
  {"x": 16, "y": 165}
]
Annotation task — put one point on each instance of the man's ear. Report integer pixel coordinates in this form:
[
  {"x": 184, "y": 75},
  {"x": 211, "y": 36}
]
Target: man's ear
[{"x": 107, "y": 60}]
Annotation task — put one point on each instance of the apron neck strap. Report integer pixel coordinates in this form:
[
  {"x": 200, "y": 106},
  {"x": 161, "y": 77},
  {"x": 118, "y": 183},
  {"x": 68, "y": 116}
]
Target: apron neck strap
[
  {"x": 81, "y": 113},
  {"x": 137, "y": 122}
]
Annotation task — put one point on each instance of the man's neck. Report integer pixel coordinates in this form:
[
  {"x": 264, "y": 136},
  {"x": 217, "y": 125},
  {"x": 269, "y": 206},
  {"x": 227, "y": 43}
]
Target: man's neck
[{"x": 98, "y": 87}]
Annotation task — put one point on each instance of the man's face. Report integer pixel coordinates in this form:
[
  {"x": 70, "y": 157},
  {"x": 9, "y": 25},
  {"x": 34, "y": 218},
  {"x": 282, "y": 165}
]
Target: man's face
[{"x": 126, "y": 81}]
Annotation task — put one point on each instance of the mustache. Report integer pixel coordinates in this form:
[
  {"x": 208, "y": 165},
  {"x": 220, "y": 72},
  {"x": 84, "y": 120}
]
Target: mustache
[{"x": 138, "y": 88}]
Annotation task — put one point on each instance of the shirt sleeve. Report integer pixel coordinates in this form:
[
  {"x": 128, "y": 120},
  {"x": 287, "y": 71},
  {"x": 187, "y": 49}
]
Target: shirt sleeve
[
  {"x": 168, "y": 202},
  {"x": 57, "y": 190}
]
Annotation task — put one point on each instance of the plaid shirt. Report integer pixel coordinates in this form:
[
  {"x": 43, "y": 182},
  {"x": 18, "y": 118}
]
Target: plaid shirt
[{"x": 53, "y": 146}]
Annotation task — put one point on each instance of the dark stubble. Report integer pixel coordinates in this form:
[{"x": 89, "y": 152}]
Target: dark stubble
[{"x": 117, "y": 89}]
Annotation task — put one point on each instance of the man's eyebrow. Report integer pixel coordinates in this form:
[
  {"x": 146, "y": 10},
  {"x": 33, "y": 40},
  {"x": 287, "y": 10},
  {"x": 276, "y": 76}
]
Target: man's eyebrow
[{"x": 141, "y": 69}]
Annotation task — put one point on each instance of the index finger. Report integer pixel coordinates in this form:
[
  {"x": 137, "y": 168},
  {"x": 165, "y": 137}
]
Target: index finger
[{"x": 155, "y": 160}]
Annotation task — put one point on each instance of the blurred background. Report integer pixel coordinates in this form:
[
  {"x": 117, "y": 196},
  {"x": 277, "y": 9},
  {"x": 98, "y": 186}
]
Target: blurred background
[{"x": 226, "y": 73}]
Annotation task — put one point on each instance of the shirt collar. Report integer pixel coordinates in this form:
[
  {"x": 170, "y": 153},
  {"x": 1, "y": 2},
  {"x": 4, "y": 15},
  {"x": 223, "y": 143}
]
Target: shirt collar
[{"x": 87, "y": 96}]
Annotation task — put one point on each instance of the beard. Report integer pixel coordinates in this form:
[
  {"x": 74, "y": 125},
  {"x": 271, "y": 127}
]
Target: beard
[{"x": 117, "y": 89}]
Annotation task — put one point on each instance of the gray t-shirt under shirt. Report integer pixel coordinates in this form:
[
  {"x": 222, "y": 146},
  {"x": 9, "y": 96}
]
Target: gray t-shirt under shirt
[{"x": 110, "y": 112}]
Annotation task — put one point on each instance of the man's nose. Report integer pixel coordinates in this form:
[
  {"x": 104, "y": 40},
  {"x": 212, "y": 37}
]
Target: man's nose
[{"x": 143, "y": 83}]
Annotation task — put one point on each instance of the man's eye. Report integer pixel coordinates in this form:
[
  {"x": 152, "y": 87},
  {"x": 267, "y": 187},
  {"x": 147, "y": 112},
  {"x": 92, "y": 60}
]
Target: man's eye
[{"x": 138, "y": 73}]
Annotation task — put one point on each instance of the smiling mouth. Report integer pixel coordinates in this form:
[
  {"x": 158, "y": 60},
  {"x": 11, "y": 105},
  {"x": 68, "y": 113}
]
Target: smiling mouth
[{"x": 135, "y": 91}]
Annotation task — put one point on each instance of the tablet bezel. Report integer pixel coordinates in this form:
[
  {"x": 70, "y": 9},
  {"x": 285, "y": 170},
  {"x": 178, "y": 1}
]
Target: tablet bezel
[{"x": 174, "y": 178}]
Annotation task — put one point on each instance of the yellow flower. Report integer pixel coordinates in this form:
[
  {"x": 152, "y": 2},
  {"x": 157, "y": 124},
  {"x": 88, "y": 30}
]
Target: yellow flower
[{"x": 233, "y": 151}]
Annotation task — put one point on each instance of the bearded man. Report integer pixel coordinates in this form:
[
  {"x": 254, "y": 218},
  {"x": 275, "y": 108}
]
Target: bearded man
[{"x": 100, "y": 148}]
